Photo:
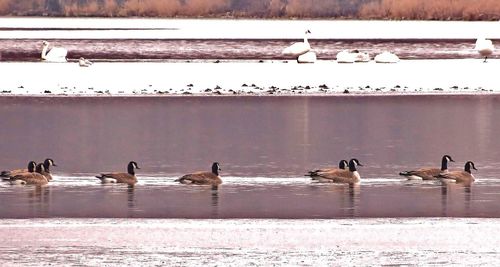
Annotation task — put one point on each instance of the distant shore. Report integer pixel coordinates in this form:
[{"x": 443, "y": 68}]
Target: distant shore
[{"x": 408, "y": 77}]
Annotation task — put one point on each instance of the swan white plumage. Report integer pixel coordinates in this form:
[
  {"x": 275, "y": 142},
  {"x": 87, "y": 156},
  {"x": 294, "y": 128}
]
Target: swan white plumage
[
  {"x": 309, "y": 57},
  {"x": 386, "y": 57},
  {"x": 84, "y": 62},
  {"x": 345, "y": 56},
  {"x": 298, "y": 48},
  {"x": 484, "y": 47},
  {"x": 56, "y": 54}
]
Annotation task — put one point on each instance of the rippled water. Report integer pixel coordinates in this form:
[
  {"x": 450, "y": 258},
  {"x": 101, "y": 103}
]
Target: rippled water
[
  {"x": 265, "y": 145},
  {"x": 202, "y": 49}
]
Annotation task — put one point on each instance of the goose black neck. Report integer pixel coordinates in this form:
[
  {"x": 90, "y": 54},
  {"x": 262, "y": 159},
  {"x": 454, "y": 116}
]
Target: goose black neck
[
  {"x": 467, "y": 167},
  {"x": 342, "y": 164},
  {"x": 46, "y": 166},
  {"x": 444, "y": 164},
  {"x": 39, "y": 168},
  {"x": 31, "y": 166},
  {"x": 352, "y": 166},
  {"x": 131, "y": 169},
  {"x": 215, "y": 169}
]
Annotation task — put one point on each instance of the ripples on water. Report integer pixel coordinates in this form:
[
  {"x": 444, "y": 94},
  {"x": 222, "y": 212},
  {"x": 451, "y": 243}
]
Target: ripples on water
[{"x": 137, "y": 50}]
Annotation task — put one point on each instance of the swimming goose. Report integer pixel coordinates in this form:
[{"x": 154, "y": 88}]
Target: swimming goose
[
  {"x": 6, "y": 175},
  {"x": 313, "y": 174},
  {"x": 30, "y": 178},
  {"x": 464, "y": 176},
  {"x": 203, "y": 178},
  {"x": 46, "y": 165},
  {"x": 342, "y": 176},
  {"x": 484, "y": 47},
  {"x": 428, "y": 173},
  {"x": 298, "y": 48},
  {"x": 121, "y": 177}
]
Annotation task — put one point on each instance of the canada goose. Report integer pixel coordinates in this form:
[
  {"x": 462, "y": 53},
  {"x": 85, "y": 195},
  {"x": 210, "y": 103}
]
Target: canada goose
[
  {"x": 464, "y": 176},
  {"x": 298, "y": 48},
  {"x": 484, "y": 47},
  {"x": 342, "y": 176},
  {"x": 428, "y": 173},
  {"x": 121, "y": 177},
  {"x": 56, "y": 54},
  {"x": 203, "y": 178},
  {"x": 313, "y": 174},
  {"x": 6, "y": 175},
  {"x": 46, "y": 165},
  {"x": 34, "y": 178}
]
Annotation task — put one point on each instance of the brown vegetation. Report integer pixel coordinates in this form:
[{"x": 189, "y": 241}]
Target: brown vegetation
[
  {"x": 355, "y": 9},
  {"x": 432, "y": 10}
]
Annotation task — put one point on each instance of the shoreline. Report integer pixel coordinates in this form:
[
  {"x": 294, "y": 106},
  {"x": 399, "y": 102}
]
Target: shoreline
[{"x": 324, "y": 78}]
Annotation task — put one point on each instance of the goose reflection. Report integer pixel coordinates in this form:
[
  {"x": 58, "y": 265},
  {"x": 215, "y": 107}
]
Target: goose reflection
[{"x": 451, "y": 192}]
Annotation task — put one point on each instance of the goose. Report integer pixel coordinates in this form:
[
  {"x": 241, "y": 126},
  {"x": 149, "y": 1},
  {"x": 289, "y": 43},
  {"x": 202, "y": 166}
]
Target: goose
[
  {"x": 46, "y": 165},
  {"x": 298, "y": 48},
  {"x": 464, "y": 176},
  {"x": 428, "y": 173},
  {"x": 6, "y": 175},
  {"x": 203, "y": 178},
  {"x": 342, "y": 176},
  {"x": 308, "y": 57},
  {"x": 30, "y": 178},
  {"x": 82, "y": 62},
  {"x": 484, "y": 47},
  {"x": 121, "y": 177},
  {"x": 56, "y": 54},
  {"x": 386, "y": 57},
  {"x": 314, "y": 174}
]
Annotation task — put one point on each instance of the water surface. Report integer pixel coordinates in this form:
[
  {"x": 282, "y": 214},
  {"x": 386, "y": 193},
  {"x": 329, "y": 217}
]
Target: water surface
[{"x": 264, "y": 144}]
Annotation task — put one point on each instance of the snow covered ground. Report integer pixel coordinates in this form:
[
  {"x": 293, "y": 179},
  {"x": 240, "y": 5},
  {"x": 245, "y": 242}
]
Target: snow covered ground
[
  {"x": 423, "y": 241},
  {"x": 25, "y": 28},
  {"x": 461, "y": 76}
]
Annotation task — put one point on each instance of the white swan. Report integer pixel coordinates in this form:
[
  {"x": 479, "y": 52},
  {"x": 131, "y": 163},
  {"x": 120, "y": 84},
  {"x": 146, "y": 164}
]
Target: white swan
[
  {"x": 84, "y": 62},
  {"x": 56, "y": 54},
  {"x": 345, "y": 56},
  {"x": 484, "y": 47},
  {"x": 386, "y": 57},
  {"x": 298, "y": 48},
  {"x": 309, "y": 57}
]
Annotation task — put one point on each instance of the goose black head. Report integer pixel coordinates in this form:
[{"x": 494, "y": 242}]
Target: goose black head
[
  {"x": 216, "y": 168},
  {"x": 131, "y": 167},
  {"x": 31, "y": 166},
  {"x": 49, "y": 162},
  {"x": 353, "y": 163},
  {"x": 40, "y": 168},
  {"x": 444, "y": 162},
  {"x": 343, "y": 164},
  {"x": 469, "y": 165}
]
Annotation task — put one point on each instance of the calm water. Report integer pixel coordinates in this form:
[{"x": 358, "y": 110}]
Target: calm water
[
  {"x": 265, "y": 145},
  {"x": 202, "y": 49}
]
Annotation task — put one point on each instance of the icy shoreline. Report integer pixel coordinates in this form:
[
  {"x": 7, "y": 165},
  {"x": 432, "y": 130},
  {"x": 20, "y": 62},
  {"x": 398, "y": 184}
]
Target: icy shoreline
[
  {"x": 461, "y": 76},
  {"x": 248, "y": 241}
]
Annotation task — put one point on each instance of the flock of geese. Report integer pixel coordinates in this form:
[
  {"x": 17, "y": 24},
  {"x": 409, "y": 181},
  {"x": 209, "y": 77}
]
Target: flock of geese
[
  {"x": 346, "y": 172},
  {"x": 302, "y": 51}
]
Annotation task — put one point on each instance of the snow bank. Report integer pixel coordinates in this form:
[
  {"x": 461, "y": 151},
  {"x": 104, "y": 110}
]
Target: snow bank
[{"x": 462, "y": 76}]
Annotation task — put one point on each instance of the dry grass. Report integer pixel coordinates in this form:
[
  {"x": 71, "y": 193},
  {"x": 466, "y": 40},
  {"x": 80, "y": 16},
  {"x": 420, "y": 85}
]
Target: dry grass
[{"x": 432, "y": 10}]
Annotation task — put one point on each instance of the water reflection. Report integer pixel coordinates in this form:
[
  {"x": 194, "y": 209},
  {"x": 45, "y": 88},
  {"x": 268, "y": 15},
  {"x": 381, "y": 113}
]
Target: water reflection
[{"x": 456, "y": 198}]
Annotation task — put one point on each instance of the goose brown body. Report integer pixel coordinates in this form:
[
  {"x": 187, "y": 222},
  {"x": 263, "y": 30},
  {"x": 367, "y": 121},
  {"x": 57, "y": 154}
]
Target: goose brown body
[
  {"x": 203, "y": 178},
  {"x": 121, "y": 177},
  {"x": 464, "y": 176},
  {"x": 349, "y": 175},
  {"x": 314, "y": 174},
  {"x": 428, "y": 173},
  {"x": 30, "y": 178}
]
